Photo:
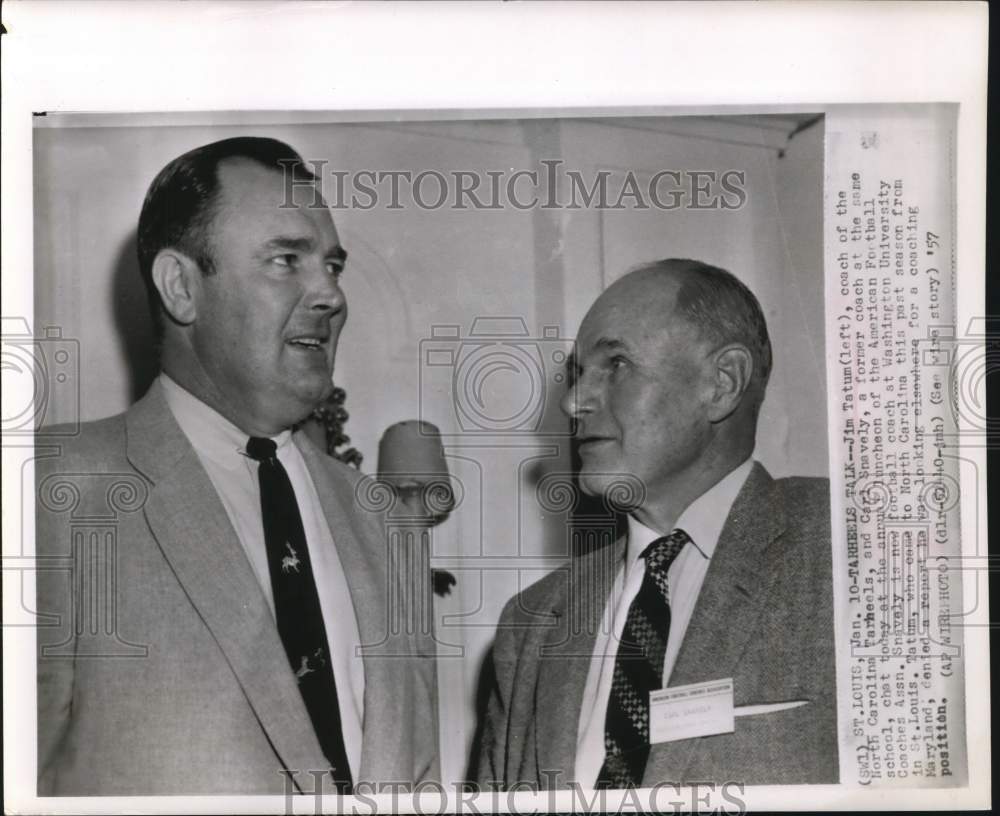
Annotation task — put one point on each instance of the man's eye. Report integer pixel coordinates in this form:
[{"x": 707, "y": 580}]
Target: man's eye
[
  {"x": 618, "y": 363},
  {"x": 335, "y": 268},
  {"x": 288, "y": 260}
]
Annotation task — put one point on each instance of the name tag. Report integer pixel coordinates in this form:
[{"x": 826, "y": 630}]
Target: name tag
[{"x": 697, "y": 710}]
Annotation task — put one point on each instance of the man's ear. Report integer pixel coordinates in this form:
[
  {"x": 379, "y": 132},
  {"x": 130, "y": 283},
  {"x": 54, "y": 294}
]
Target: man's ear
[
  {"x": 733, "y": 371},
  {"x": 178, "y": 280}
]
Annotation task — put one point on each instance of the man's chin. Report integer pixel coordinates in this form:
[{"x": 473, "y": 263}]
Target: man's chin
[
  {"x": 301, "y": 402},
  {"x": 599, "y": 484},
  {"x": 325, "y": 389},
  {"x": 315, "y": 390},
  {"x": 591, "y": 484},
  {"x": 623, "y": 491}
]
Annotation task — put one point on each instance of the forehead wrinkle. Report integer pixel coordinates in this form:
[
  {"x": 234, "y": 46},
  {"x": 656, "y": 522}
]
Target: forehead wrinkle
[
  {"x": 299, "y": 243},
  {"x": 296, "y": 230}
]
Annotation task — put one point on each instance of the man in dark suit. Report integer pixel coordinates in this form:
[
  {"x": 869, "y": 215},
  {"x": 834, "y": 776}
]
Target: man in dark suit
[
  {"x": 247, "y": 649},
  {"x": 724, "y": 573}
]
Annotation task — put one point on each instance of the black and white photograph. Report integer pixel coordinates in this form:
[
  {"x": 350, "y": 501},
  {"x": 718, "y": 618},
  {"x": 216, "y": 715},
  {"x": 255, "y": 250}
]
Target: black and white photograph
[
  {"x": 465, "y": 285},
  {"x": 439, "y": 456}
]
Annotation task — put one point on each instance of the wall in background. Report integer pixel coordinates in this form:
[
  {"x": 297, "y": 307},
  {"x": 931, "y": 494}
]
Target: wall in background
[{"x": 417, "y": 281}]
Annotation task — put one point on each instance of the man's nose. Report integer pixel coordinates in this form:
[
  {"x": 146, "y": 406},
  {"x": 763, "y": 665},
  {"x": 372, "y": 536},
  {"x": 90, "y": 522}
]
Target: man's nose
[
  {"x": 579, "y": 399},
  {"x": 323, "y": 290}
]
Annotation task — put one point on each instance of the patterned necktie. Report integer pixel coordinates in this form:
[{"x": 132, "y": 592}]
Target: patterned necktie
[
  {"x": 296, "y": 606},
  {"x": 639, "y": 669}
]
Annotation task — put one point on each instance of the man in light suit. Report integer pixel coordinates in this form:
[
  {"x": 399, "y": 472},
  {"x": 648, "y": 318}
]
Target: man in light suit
[
  {"x": 723, "y": 572},
  {"x": 225, "y": 629}
]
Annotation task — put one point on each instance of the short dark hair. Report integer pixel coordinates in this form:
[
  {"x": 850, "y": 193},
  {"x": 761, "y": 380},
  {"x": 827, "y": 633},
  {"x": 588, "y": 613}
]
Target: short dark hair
[
  {"x": 722, "y": 308},
  {"x": 181, "y": 202}
]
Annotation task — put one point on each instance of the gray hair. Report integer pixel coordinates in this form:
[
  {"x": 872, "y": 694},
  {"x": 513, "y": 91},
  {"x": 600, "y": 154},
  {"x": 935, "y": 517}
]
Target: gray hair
[{"x": 721, "y": 308}]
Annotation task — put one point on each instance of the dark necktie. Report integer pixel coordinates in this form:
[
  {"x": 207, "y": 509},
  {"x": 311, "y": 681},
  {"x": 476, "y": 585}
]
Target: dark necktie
[
  {"x": 296, "y": 606},
  {"x": 639, "y": 669}
]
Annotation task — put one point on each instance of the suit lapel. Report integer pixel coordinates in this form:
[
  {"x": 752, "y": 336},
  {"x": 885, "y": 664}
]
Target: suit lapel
[
  {"x": 566, "y": 655},
  {"x": 729, "y": 605},
  {"x": 193, "y": 531}
]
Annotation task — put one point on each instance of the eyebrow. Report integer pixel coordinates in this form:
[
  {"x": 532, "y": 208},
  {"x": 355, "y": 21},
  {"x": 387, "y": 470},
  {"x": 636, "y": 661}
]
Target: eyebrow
[
  {"x": 337, "y": 253},
  {"x": 602, "y": 344},
  {"x": 610, "y": 344}
]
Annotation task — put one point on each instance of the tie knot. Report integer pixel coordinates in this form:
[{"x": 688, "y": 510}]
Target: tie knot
[
  {"x": 661, "y": 553},
  {"x": 261, "y": 448}
]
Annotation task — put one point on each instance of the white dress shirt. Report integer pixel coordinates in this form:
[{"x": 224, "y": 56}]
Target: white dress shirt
[
  {"x": 702, "y": 521},
  {"x": 220, "y": 446}
]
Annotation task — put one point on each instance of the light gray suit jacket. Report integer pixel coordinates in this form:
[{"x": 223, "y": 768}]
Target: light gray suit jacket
[
  {"x": 764, "y": 617},
  {"x": 160, "y": 668}
]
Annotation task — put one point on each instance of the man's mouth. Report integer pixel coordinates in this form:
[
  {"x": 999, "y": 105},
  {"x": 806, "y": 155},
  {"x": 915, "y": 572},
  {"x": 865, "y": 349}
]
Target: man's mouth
[
  {"x": 592, "y": 441},
  {"x": 309, "y": 342}
]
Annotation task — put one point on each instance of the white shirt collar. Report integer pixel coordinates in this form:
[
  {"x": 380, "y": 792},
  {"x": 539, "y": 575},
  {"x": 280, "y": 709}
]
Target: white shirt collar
[
  {"x": 702, "y": 520},
  {"x": 209, "y": 432}
]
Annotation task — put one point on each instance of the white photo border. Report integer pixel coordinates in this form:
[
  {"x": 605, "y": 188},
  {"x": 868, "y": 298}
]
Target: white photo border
[{"x": 477, "y": 60}]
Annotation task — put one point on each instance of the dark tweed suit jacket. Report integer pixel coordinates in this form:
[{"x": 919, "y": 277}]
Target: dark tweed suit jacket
[
  {"x": 193, "y": 693},
  {"x": 764, "y": 617}
]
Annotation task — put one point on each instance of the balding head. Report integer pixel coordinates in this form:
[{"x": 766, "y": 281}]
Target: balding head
[
  {"x": 672, "y": 360},
  {"x": 714, "y": 302}
]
